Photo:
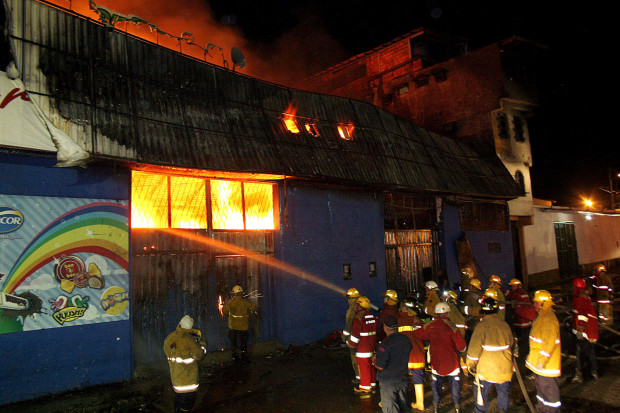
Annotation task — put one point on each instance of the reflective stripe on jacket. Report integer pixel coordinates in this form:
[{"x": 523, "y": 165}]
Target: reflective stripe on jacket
[
  {"x": 490, "y": 350},
  {"x": 407, "y": 324},
  {"x": 584, "y": 317},
  {"x": 183, "y": 353},
  {"x": 545, "y": 344},
  {"x": 238, "y": 312},
  {"x": 457, "y": 318},
  {"x": 523, "y": 314},
  {"x": 363, "y": 336}
]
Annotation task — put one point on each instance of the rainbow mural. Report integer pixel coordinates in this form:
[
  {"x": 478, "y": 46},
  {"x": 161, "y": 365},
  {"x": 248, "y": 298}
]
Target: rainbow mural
[
  {"x": 69, "y": 263},
  {"x": 101, "y": 229}
]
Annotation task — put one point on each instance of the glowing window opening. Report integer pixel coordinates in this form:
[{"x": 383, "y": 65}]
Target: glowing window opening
[
  {"x": 346, "y": 131},
  {"x": 165, "y": 201},
  {"x": 312, "y": 129}
]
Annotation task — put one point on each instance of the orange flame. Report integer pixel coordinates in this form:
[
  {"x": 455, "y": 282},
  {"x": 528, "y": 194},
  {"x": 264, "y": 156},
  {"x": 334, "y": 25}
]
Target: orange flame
[
  {"x": 220, "y": 305},
  {"x": 289, "y": 119},
  {"x": 346, "y": 131}
]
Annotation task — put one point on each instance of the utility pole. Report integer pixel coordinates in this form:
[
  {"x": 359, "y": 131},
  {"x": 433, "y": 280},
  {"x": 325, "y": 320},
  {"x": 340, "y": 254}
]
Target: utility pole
[{"x": 612, "y": 198}]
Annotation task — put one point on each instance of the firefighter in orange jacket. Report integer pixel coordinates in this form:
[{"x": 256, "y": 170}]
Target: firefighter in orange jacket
[
  {"x": 585, "y": 328},
  {"x": 446, "y": 346},
  {"x": 363, "y": 339},
  {"x": 545, "y": 355},
  {"x": 184, "y": 348},
  {"x": 407, "y": 324}
]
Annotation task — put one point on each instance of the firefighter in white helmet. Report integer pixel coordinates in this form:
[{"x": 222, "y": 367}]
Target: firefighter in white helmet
[
  {"x": 238, "y": 310},
  {"x": 446, "y": 347},
  {"x": 352, "y": 295},
  {"x": 432, "y": 299}
]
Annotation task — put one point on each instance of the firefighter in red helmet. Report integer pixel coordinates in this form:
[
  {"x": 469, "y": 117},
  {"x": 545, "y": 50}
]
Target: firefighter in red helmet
[{"x": 585, "y": 328}]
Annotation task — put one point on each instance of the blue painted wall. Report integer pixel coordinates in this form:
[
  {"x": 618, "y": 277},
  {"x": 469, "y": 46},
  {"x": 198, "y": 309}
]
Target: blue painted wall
[
  {"x": 488, "y": 264},
  {"x": 326, "y": 229},
  {"x": 53, "y": 360}
]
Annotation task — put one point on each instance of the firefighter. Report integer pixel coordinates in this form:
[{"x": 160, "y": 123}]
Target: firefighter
[
  {"x": 238, "y": 310},
  {"x": 585, "y": 328},
  {"x": 489, "y": 357},
  {"x": 523, "y": 314},
  {"x": 467, "y": 274},
  {"x": 604, "y": 295},
  {"x": 363, "y": 339},
  {"x": 496, "y": 283},
  {"x": 407, "y": 324},
  {"x": 471, "y": 306},
  {"x": 390, "y": 307},
  {"x": 184, "y": 347},
  {"x": 446, "y": 347},
  {"x": 544, "y": 358},
  {"x": 432, "y": 299},
  {"x": 450, "y": 297},
  {"x": 352, "y": 295}
]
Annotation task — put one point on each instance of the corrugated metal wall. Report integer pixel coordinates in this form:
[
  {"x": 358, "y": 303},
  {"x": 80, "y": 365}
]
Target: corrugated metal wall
[
  {"x": 174, "y": 276},
  {"x": 411, "y": 257}
]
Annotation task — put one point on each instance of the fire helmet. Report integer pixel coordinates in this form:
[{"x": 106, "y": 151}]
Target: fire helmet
[
  {"x": 392, "y": 295},
  {"x": 542, "y": 296},
  {"x": 475, "y": 282},
  {"x": 579, "y": 283},
  {"x": 468, "y": 272},
  {"x": 450, "y": 296},
  {"x": 515, "y": 281},
  {"x": 600, "y": 268},
  {"x": 488, "y": 305},
  {"x": 237, "y": 289},
  {"x": 411, "y": 304},
  {"x": 186, "y": 322},
  {"x": 495, "y": 279},
  {"x": 363, "y": 302},
  {"x": 431, "y": 285},
  {"x": 492, "y": 293},
  {"x": 353, "y": 293},
  {"x": 442, "y": 308}
]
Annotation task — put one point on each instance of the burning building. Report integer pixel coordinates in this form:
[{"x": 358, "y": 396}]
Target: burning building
[{"x": 182, "y": 179}]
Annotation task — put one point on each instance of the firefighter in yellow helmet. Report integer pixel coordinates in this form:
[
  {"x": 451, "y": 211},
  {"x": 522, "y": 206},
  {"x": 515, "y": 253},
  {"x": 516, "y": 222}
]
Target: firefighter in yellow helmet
[
  {"x": 432, "y": 299},
  {"x": 450, "y": 297},
  {"x": 238, "y": 310},
  {"x": 390, "y": 307},
  {"x": 352, "y": 295},
  {"x": 471, "y": 306},
  {"x": 496, "y": 283},
  {"x": 604, "y": 295},
  {"x": 544, "y": 358}
]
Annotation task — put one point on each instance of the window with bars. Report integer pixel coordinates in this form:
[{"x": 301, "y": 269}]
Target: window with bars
[
  {"x": 164, "y": 201},
  {"x": 483, "y": 216},
  {"x": 403, "y": 212}
]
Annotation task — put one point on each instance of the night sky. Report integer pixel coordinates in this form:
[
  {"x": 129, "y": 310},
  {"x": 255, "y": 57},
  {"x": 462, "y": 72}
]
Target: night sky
[{"x": 571, "y": 142}]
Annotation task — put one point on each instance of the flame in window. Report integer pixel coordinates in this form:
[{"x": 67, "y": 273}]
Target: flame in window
[
  {"x": 346, "y": 131},
  {"x": 226, "y": 205},
  {"x": 220, "y": 305},
  {"x": 149, "y": 200},
  {"x": 289, "y": 119},
  {"x": 312, "y": 129}
]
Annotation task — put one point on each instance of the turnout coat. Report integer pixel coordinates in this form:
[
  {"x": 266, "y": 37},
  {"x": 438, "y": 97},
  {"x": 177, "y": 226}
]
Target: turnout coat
[{"x": 490, "y": 350}]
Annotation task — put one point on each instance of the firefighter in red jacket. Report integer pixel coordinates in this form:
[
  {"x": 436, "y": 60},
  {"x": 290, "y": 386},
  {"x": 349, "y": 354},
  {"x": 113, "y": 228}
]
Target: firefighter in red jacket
[
  {"x": 390, "y": 307},
  {"x": 585, "y": 328},
  {"x": 363, "y": 339},
  {"x": 522, "y": 314},
  {"x": 407, "y": 324},
  {"x": 446, "y": 347},
  {"x": 352, "y": 295}
]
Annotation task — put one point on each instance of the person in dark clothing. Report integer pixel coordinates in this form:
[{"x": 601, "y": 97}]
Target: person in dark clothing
[{"x": 391, "y": 361}]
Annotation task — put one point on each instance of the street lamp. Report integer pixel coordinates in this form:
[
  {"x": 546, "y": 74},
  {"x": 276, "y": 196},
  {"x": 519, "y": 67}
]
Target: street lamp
[{"x": 588, "y": 203}]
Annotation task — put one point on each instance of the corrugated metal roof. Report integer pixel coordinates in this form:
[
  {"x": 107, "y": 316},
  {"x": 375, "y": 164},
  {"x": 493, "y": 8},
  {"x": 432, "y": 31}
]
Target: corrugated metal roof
[{"x": 123, "y": 98}]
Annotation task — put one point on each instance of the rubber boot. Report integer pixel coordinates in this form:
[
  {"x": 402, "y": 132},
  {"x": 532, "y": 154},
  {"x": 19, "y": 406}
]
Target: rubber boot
[
  {"x": 578, "y": 377},
  {"x": 419, "y": 397}
]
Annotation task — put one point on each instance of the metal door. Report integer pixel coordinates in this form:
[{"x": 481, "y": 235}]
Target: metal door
[{"x": 568, "y": 261}]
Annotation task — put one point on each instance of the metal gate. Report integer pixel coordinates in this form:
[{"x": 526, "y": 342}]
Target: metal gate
[
  {"x": 412, "y": 257},
  {"x": 566, "y": 243},
  {"x": 173, "y": 275}
]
